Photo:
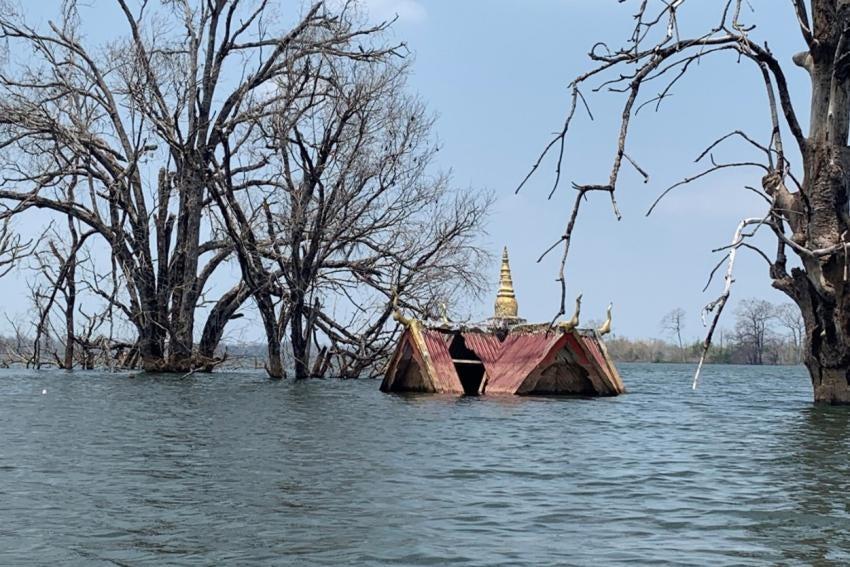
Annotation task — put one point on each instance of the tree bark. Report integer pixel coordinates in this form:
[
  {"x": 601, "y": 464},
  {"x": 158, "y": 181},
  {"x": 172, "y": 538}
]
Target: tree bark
[
  {"x": 225, "y": 310},
  {"x": 274, "y": 366},
  {"x": 821, "y": 291},
  {"x": 184, "y": 296},
  {"x": 826, "y": 342},
  {"x": 297, "y": 336},
  {"x": 70, "y": 305}
]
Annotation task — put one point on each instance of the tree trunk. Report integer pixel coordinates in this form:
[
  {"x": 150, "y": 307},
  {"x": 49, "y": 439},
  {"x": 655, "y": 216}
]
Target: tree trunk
[
  {"x": 830, "y": 385},
  {"x": 274, "y": 366},
  {"x": 820, "y": 218},
  {"x": 301, "y": 329},
  {"x": 827, "y": 356},
  {"x": 225, "y": 310},
  {"x": 180, "y": 346},
  {"x": 151, "y": 350},
  {"x": 300, "y": 345},
  {"x": 681, "y": 345},
  {"x": 70, "y": 305},
  {"x": 265, "y": 305},
  {"x": 824, "y": 296}
]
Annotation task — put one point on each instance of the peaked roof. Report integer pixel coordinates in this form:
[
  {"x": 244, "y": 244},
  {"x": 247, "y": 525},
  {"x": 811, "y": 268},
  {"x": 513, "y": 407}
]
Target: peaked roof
[
  {"x": 509, "y": 364},
  {"x": 444, "y": 376},
  {"x": 519, "y": 356}
]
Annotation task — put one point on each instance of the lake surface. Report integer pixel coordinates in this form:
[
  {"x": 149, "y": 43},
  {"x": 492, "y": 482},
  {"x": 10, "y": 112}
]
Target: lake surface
[{"x": 111, "y": 469}]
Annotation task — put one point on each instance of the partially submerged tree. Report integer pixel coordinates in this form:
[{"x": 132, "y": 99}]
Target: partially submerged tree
[
  {"x": 349, "y": 211},
  {"x": 68, "y": 333},
  {"x": 673, "y": 323},
  {"x": 209, "y": 132},
  {"x": 753, "y": 328},
  {"x": 807, "y": 213},
  {"x": 140, "y": 125},
  {"x": 789, "y": 317}
]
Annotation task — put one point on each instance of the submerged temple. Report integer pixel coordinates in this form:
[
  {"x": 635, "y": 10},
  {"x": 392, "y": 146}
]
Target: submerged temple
[{"x": 503, "y": 355}]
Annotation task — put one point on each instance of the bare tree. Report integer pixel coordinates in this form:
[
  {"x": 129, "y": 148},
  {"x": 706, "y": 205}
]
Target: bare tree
[
  {"x": 142, "y": 125},
  {"x": 349, "y": 213},
  {"x": 12, "y": 248},
  {"x": 805, "y": 213},
  {"x": 62, "y": 272},
  {"x": 753, "y": 328},
  {"x": 673, "y": 323},
  {"x": 790, "y": 318}
]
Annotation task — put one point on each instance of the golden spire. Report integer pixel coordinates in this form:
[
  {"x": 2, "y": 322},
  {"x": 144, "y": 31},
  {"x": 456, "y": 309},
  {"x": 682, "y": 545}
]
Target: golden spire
[{"x": 506, "y": 305}]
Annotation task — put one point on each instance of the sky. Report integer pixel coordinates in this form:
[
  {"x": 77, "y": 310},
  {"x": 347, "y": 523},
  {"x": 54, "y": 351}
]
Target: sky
[{"x": 495, "y": 74}]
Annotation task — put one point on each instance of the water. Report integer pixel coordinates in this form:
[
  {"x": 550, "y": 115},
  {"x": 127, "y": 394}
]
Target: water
[{"x": 232, "y": 469}]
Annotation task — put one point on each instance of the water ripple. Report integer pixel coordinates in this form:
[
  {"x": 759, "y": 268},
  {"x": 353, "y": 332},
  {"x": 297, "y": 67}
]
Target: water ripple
[{"x": 231, "y": 469}]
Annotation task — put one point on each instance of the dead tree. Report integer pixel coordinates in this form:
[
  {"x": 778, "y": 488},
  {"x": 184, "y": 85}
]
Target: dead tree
[
  {"x": 673, "y": 323},
  {"x": 12, "y": 248},
  {"x": 18, "y": 349},
  {"x": 349, "y": 212},
  {"x": 170, "y": 98},
  {"x": 807, "y": 212},
  {"x": 753, "y": 329},
  {"x": 62, "y": 270},
  {"x": 56, "y": 268},
  {"x": 13, "y": 251},
  {"x": 790, "y": 318}
]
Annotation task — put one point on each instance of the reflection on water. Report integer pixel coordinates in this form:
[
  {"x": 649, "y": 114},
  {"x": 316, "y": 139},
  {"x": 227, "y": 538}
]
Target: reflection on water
[{"x": 233, "y": 469}]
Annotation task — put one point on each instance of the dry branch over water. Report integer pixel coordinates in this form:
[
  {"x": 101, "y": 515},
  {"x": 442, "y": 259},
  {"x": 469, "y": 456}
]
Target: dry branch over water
[{"x": 805, "y": 211}]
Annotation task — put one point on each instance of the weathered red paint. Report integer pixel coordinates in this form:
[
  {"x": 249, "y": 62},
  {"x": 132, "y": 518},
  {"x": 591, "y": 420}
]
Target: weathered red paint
[
  {"x": 487, "y": 347},
  {"x": 508, "y": 363},
  {"x": 591, "y": 345},
  {"x": 446, "y": 379},
  {"x": 603, "y": 363},
  {"x": 576, "y": 349},
  {"x": 520, "y": 355}
]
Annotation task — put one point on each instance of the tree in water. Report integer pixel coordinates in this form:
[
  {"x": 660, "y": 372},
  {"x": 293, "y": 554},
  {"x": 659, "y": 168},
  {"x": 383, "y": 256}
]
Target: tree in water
[
  {"x": 350, "y": 214},
  {"x": 806, "y": 212},
  {"x": 139, "y": 127},
  {"x": 673, "y": 323},
  {"x": 753, "y": 328},
  {"x": 791, "y": 319}
]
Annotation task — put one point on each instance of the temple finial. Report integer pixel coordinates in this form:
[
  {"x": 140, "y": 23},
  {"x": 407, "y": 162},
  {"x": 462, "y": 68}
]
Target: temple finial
[
  {"x": 506, "y": 304},
  {"x": 573, "y": 323},
  {"x": 398, "y": 316},
  {"x": 606, "y": 326}
]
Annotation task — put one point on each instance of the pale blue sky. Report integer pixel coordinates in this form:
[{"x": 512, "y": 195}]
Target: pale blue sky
[{"x": 496, "y": 74}]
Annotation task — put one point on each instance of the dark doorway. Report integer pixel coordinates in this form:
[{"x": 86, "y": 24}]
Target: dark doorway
[{"x": 469, "y": 367}]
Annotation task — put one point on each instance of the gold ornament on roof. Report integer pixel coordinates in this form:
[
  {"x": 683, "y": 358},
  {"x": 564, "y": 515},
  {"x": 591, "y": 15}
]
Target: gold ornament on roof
[
  {"x": 506, "y": 304},
  {"x": 573, "y": 323},
  {"x": 606, "y": 326}
]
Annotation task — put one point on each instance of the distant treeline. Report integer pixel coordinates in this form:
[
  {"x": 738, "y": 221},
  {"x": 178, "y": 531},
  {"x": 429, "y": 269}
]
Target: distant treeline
[
  {"x": 763, "y": 333},
  {"x": 95, "y": 352}
]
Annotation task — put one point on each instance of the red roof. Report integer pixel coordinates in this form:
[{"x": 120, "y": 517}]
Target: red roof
[
  {"x": 486, "y": 347},
  {"x": 520, "y": 355},
  {"x": 446, "y": 379},
  {"x": 509, "y": 363},
  {"x": 592, "y": 346},
  {"x": 575, "y": 347}
]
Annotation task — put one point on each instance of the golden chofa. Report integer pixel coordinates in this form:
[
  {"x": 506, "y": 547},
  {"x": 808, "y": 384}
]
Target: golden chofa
[{"x": 503, "y": 355}]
